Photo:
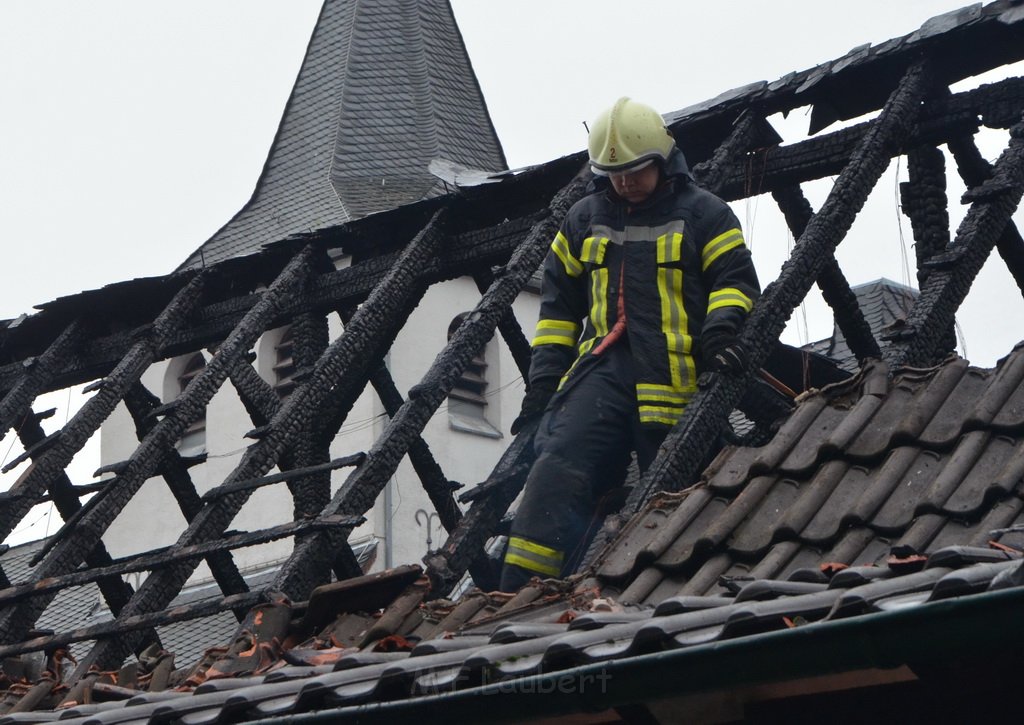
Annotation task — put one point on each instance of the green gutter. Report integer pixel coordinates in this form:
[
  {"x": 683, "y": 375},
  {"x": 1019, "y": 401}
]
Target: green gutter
[{"x": 980, "y": 625}]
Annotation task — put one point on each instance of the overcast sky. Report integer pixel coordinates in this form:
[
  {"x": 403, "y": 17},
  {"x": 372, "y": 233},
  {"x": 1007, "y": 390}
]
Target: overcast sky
[{"x": 133, "y": 129}]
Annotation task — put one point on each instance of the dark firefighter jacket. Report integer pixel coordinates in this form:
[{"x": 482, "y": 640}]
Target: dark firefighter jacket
[{"x": 685, "y": 270}]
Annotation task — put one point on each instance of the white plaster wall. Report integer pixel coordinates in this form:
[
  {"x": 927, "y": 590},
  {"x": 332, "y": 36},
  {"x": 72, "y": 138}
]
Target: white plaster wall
[{"x": 153, "y": 519}]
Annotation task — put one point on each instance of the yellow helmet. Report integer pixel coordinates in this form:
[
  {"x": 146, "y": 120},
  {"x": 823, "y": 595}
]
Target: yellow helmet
[{"x": 627, "y": 135}]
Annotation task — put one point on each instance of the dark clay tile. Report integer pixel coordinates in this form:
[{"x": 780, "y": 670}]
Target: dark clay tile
[
  {"x": 988, "y": 480},
  {"x": 862, "y": 599},
  {"x": 790, "y": 434},
  {"x": 596, "y": 620},
  {"x": 955, "y": 557},
  {"x": 834, "y": 512},
  {"x": 906, "y": 498},
  {"x": 856, "y": 576},
  {"x": 763, "y": 589},
  {"x": 679, "y": 553},
  {"x": 1001, "y": 397},
  {"x": 948, "y": 423},
  {"x": 620, "y": 560},
  {"x": 705, "y": 579},
  {"x": 812, "y": 498},
  {"x": 518, "y": 631},
  {"x": 669, "y": 586},
  {"x": 854, "y": 420},
  {"x": 754, "y": 617},
  {"x": 449, "y": 644},
  {"x": 775, "y": 560},
  {"x": 755, "y": 534},
  {"x": 677, "y": 522},
  {"x": 959, "y": 466},
  {"x": 803, "y": 457},
  {"x": 644, "y": 583},
  {"x": 859, "y": 546},
  {"x": 970, "y": 580},
  {"x": 683, "y": 604},
  {"x": 906, "y": 468},
  {"x": 922, "y": 531}
]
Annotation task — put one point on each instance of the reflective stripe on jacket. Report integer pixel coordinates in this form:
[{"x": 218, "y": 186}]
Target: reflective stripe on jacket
[{"x": 685, "y": 268}]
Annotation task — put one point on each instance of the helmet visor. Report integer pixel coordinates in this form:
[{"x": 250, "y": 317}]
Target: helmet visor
[{"x": 621, "y": 171}]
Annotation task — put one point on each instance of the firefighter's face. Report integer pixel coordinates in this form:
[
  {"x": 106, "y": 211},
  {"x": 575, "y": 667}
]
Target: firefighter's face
[{"x": 636, "y": 186}]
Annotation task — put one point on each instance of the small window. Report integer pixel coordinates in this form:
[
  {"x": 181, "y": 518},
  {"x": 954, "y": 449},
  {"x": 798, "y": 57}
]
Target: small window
[
  {"x": 284, "y": 364},
  {"x": 193, "y": 440},
  {"x": 467, "y": 400}
]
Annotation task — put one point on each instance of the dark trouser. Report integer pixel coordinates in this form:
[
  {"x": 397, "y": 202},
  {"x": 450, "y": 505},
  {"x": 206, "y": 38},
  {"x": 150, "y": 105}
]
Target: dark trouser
[{"x": 583, "y": 447}]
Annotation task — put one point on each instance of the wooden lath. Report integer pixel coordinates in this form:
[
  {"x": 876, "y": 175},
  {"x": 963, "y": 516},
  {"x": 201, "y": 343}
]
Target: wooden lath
[{"x": 497, "y": 234}]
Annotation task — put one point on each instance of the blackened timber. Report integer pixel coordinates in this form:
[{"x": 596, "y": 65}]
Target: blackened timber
[
  {"x": 362, "y": 487},
  {"x": 831, "y": 281},
  {"x": 35, "y": 375},
  {"x": 344, "y": 358},
  {"x": 693, "y": 436},
  {"x": 923, "y": 198},
  {"x": 435, "y": 483},
  {"x": 140, "y": 404},
  {"x": 258, "y": 398},
  {"x": 115, "y": 590},
  {"x": 80, "y": 428},
  {"x": 941, "y": 121},
  {"x": 975, "y": 170},
  {"x": 153, "y": 449},
  {"x": 153, "y": 560},
  {"x": 289, "y": 475},
  {"x": 310, "y": 493},
  {"x": 935, "y": 310},
  {"x": 509, "y": 328},
  {"x": 240, "y": 603}
]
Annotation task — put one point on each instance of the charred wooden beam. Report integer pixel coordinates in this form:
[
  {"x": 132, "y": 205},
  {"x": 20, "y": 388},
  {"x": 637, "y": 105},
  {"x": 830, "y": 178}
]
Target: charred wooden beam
[
  {"x": 115, "y": 590},
  {"x": 239, "y": 603},
  {"x": 34, "y": 377},
  {"x": 439, "y": 489},
  {"x": 74, "y": 435},
  {"x": 941, "y": 121},
  {"x": 153, "y": 560},
  {"x": 343, "y": 358},
  {"x": 153, "y": 449},
  {"x": 258, "y": 397},
  {"x": 362, "y": 487},
  {"x": 923, "y": 198},
  {"x": 693, "y": 436},
  {"x": 975, "y": 170},
  {"x": 290, "y": 475},
  {"x": 508, "y": 327},
  {"x": 934, "y": 311},
  {"x": 141, "y": 403},
  {"x": 831, "y": 280},
  {"x": 311, "y": 492}
]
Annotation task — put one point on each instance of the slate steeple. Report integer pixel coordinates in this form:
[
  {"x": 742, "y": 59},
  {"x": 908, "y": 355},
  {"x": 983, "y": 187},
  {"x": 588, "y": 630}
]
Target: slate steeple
[{"x": 385, "y": 87}]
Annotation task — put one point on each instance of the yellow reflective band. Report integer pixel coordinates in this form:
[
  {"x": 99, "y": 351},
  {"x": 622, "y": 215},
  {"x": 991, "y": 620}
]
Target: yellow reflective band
[
  {"x": 599, "y": 304},
  {"x": 533, "y": 556},
  {"x": 674, "y": 324},
  {"x": 670, "y": 247},
  {"x": 594, "y": 249},
  {"x": 560, "y": 247},
  {"x": 530, "y": 565},
  {"x": 654, "y": 414},
  {"x": 719, "y": 246},
  {"x": 669, "y": 397},
  {"x": 729, "y": 297},
  {"x": 556, "y": 332}
]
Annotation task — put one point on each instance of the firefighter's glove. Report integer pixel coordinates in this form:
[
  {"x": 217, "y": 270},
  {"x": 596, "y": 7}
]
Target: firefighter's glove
[
  {"x": 723, "y": 353},
  {"x": 538, "y": 395}
]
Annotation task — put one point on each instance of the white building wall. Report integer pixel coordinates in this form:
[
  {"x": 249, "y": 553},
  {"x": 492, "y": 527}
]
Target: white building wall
[{"x": 152, "y": 518}]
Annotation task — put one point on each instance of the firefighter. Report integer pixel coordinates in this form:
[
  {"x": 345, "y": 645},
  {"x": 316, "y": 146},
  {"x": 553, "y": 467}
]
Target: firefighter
[{"x": 647, "y": 284}]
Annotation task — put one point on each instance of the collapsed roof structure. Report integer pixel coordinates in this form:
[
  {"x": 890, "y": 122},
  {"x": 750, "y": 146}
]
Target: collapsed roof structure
[{"x": 911, "y": 466}]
